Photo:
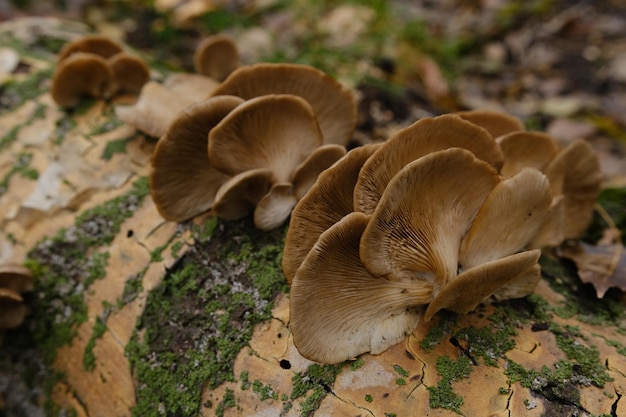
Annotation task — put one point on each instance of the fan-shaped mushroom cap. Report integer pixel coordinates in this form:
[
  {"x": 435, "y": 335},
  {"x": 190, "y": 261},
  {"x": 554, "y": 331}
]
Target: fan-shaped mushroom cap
[
  {"x": 12, "y": 309},
  {"x": 470, "y": 288},
  {"x": 521, "y": 286},
  {"x": 183, "y": 183},
  {"x": 95, "y": 44},
  {"x": 129, "y": 73},
  {"x": 81, "y": 74},
  {"x": 421, "y": 138},
  {"x": 509, "y": 219},
  {"x": 495, "y": 122},
  {"x": 216, "y": 57},
  {"x": 334, "y": 106},
  {"x": 274, "y": 208},
  {"x": 326, "y": 202},
  {"x": 526, "y": 149},
  {"x": 16, "y": 278},
  {"x": 276, "y": 131},
  {"x": 416, "y": 229},
  {"x": 238, "y": 196},
  {"x": 338, "y": 310},
  {"x": 308, "y": 171},
  {"x": 575, "y": 173}
]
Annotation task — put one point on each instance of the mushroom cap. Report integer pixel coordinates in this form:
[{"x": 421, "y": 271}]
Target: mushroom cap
[
  {"x": 415, "y": 232},
  {"x": 470, "y": 288},
  {"x": 95, "y": 44},
  {"x": 526, "y": 149},
  {"x": 238, "y": 196},
  {"x": 551, "y": 232},
  {"x": 334, "y": 105},
  {"x": 421, "y": 138},
  {"x": 216, "y": 57},
  {"x": 130, "y": 73},
  {"x": 575, "y": 173},
  {"x": 338, "y": 310},
  {"x": 12, "y": 309},
  {"x": 183, "y": 183},
  {"x": 81, "y": 74},
  {"x": 327, "y": 201},
  {"x": 521, "y": 286},
  {"x": 319, "y": 160},
  {"x": 509, "y": 219},
  {"x": 16, "y": 278},
  {"x": 495, "y": 122},
  {"x": 276, "y": 131},
  {"x": 275, "y": 206}
]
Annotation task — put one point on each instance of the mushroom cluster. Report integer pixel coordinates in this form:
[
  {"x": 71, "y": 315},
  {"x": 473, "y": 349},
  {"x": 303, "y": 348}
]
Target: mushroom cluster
[
  {"x": 14, "y": 280},
  {"x": 256, "y": 145},
  {"x": 215, "y": 57},
  {"x": 448, "y": 212},
  {"x": 96, "y": 66}
]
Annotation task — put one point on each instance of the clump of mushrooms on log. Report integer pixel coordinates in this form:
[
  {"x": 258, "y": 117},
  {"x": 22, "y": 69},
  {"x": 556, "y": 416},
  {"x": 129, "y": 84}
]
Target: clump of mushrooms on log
[{"x": 447, "y": 213}]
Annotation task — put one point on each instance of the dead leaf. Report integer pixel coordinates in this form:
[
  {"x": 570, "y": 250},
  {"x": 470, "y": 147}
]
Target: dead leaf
[{"x": 603, "y": 265}]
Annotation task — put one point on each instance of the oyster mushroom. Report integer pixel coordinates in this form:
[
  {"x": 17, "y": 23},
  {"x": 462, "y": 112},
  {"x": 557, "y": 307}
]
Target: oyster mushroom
[
  {"x": 14, "y": 280},
  {"x": 421, "y": 138},
  {"x": 333, "y": 105},
  {"x": 278, "y": 132},
  {"x": 183, "y": 182},
  {"x": 81, "y": 74},
  {"x": 130, "y": 73},
  {"x": 216, "y": 57},
  {"x": 328, "y": 200},
  {"x": 495, "y": 122},
  {"x": 100, "y": 45}
]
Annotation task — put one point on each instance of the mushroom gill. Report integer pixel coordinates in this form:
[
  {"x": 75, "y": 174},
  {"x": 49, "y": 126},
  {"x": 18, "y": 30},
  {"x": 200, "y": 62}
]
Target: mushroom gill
[{"x": 443, "y": 215}]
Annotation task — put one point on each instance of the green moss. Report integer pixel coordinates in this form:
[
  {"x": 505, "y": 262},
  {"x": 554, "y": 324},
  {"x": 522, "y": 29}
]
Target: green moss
[
  {"x": 313, "y": 385},
  {"x": 21, "y": 167},
  {"x": 132, "y": 288},
  {"x": 15, "y": 93},
  {"x": 441, "y": 329},
  {"x": 442, "y": 395},
  {"x": 116, "y": 146},
  {"x": 265, "y": 391},
  {"x": 357, "y": 364},
  {"x": 227, "y": 402},
  {"x": 232, "y": 276},
  {"x": 89, "y": 360},
  {"x": 401, "y": 371},
  {"x": 62, "y": 127},
  {"x": 400, "y": 381},
  {"x": 369, "y": 398}
]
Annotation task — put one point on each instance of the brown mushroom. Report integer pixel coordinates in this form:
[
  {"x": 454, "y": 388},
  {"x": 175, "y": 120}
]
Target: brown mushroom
[
  {"x": 319, "y": 160},
  {"x": 421, "y": 138},
  {"x": 526, "y": 149},
  {"x": 183, "y": 182},
  {"x": 575, "y": 173},
  {"x": 100, "y": 45},
  {"x": 276, "y": 132},
  {"x": 495, "y": 122},
  {"x": 415, "y": 232},
  {"x": 216, "y": 57},
  {"x": 334, "y": 105},
  {"x": 275, "y": 206},
  {"x": 130, "y": 73},
  {"x": 81, "y": 74},
  {"x": 326, "y": 202},
  {"x": 338, "y": 310},
  {"x": 238, "y": 196},
  {"x": 471, "y": 287},
  {"x": 509, "y": 219},
  {"x": 14, "y": 279}
]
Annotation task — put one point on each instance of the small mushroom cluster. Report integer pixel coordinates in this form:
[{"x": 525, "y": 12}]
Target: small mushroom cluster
[
  {"x": 448, "y": 212},
  {"x": 255, "y": 145},
  {"x": 96, "y": 66},
  {"x": 14, "y": 280}
]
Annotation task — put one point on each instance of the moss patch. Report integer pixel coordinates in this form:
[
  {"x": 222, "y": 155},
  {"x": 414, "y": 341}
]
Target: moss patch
[{"x": 213, "y": 297}]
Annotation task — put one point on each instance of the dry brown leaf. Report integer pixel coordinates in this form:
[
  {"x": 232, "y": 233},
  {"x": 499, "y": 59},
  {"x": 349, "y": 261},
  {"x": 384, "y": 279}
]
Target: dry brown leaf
[{"x": 603, "y": 265}]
